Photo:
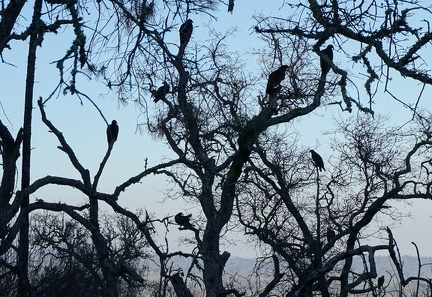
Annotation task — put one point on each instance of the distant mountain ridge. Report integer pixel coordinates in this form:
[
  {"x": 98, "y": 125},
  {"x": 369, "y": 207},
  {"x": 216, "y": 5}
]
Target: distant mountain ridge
[
  {"x": 245, "y": 266},
  {"x": 241, "y": 271}
]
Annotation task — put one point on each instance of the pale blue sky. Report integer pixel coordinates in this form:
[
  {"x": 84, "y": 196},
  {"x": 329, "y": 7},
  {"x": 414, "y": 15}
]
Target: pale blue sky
[{"x": 84, "y": 129}]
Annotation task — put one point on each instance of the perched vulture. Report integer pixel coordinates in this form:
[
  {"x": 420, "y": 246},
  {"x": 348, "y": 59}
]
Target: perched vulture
[
  {"x": 112, "y": 132},
  {"x": 325, "y": 66},
  {"x": 182, "y": 220},
  {"x": 318, "y": 161},
  {"x": 380, "y": 281},
  {"x": 330, "y": 234},
  {"x": 185, "y": 32},
  {"x": 231, "y": 6},
  {"x": 160, "y": 93},
  {"x": 275, "y": 78}
]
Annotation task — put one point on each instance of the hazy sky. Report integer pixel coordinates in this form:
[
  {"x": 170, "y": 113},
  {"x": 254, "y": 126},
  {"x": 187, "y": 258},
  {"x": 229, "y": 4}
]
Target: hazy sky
[{"x": 84, "y": 129}]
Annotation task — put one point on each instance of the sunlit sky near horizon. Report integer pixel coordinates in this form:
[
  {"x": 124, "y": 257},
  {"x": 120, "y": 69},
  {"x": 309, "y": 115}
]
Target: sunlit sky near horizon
[{"x": 84, "y": 129}]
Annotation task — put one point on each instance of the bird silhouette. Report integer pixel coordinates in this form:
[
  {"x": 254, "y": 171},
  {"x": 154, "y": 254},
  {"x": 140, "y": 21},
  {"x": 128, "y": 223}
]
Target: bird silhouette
[
  {"x": 274, "y": 80},
  {"x": 380, "y": 281},
  {"x": 325, "y": 66},
  {"x": 185, "y": 32},
  {"x": 161, "y": 92},
  {"x": 317, "y": 160},
  {"x": 112, "y": 132},
  {"x": 330, "y": 234},
  {"x": 182, "y": 220}
]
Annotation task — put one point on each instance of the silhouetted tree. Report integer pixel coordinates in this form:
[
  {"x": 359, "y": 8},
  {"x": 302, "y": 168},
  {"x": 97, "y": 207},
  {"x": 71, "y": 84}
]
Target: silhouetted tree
[
  {"x": 233, "y": 154},
  {"x": 284, "y": 207}
]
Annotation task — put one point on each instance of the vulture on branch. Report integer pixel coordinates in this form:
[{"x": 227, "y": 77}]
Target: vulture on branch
[
  {"x": 182, "y": 220},
  {"x": 317, "y": 160},
  {"x": 380, "y": 281},
  {"x": 330, "y": 234},
  {"x": 185, "y": 32},
  {"x": 112, "y": 132},
  {"x": 325, "y": 66},
  {"x": 161, "y": 92},
  {"x": 274, "y": 80},
  {"x": 230, "y": 6}
]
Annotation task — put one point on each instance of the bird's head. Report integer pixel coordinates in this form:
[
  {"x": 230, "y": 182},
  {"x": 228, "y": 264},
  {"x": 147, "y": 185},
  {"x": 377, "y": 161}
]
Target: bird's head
[
  {"x": 330, "y": 46},
  {"x": 114, "y": 122},
  {"x": 180, "y": 214},
  {"x": 189, "y": 21},
  {"x": 311, "y": 151}
]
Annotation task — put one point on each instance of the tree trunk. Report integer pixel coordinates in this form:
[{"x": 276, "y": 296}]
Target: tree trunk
[
  {"x": 110, "y": 288},
  {"x": 214, "y": 262},
  {"x": 23, "y": 250},
  {"x": 179, "y": 286}
]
